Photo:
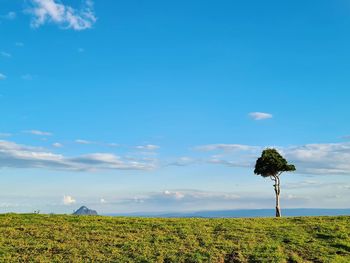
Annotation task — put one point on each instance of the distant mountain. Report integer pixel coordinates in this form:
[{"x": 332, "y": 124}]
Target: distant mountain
[
  {"x": 245, "y": 213},
  {"x": 85, "y": 211}
]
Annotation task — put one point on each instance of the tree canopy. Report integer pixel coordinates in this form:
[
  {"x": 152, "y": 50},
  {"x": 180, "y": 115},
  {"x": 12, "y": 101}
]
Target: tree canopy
[{"x": 272, "y": 163}]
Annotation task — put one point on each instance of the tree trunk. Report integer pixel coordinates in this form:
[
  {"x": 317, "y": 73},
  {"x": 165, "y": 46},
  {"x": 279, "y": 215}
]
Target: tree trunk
[
  {"x": 278, "y": 208},
  {"x": 277, "y": 191}
]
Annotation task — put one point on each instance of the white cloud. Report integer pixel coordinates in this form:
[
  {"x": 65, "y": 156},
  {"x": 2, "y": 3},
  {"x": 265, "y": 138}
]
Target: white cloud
[
  {"x": 225, "y": 147},
  {"x": 27, "y": 77},
  {"x": 100, "y": 161},
  {"x": 183, "y": 199},
  {"x": 177, "y": 195},
  {"x": 112, "y": 144},
  {"x": 329, "y": 158},
  {"x": 148, "y": 147},
  {"x": 304, "y": 184},
  {"x": 5, "y": 54},
  {"x": 103, "y": 201},
  {"x": 79, "y": 141},
  {"x": 5, "y": 134},
  {"x": 260, "y": 115},
  {"x": 10, "y": 16},
  {"x": 86, "y": 142},
  {"x": 241, "y": 196},
  {"x": 22, "y": 156},
  {"x": 138, "y": 199},
  {"x": 19, "y": 44},
  {"x": 243, "y": 163},
  {"x": 57, "y": 145},
  {"x": 2, "y": 76},
  {"x": 182, "y": 161},
  {"x": 188, "y": 196},
  {"x": 68, "y": 200},
  {"x": 39, "y": 133},
  {"x": 52, "y": 11}
]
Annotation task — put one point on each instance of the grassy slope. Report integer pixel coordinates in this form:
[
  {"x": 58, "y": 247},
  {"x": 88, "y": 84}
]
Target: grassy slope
[{"x": 45, "y": 238}]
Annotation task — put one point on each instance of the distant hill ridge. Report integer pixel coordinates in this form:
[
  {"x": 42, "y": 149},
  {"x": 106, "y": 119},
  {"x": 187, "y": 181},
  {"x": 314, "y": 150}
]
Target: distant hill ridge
[
  {"x": 243, "y": 213},
  {"x": 85, "y": 211}
]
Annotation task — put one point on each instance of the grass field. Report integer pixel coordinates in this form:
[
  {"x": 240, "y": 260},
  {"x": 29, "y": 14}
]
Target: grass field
[{"x": 55, "y": 238}]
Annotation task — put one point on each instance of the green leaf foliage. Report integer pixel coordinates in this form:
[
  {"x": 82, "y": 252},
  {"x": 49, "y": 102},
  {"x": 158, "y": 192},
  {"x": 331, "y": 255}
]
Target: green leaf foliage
[{"x": 272, "y": 163}]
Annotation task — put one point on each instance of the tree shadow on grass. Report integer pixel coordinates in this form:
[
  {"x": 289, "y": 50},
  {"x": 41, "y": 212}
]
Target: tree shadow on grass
[
  {"x": 342, "y": 246},
  {"x": 324, "y": 236},
  {"x": 234, "y": 257}
]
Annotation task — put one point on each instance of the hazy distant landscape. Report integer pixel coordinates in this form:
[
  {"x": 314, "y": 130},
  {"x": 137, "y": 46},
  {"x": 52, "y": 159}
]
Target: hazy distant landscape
[{"x": 243, "y": 213}]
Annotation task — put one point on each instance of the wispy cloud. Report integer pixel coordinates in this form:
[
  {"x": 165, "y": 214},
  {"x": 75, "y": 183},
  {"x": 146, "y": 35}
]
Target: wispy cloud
[
  {"x": 331, "y": 158},
  {"x": 5, "y": 134},
  {"x": 5, "y": 54},
  {"x": 57, "y": 145},
  {"x": 184, "y": 196},
  {"x": 19, "y": 44},
  {"x": 103, "y": 144},
  {"x": 304, "y": 184},
  {"x": 176, "y": 195},
  {"x": 148, "y": 147},
  {"x": 39, "y": 133},
  {"x": 230, "y": 163},
  {"x": 182, "y": 161},
  {"x": 260, "y": 115},
  {"x": 80, "y": 141},
  {"x": 10, "y": 16},
  {"x": 27, "y": 77},
  {"x": 52, "y": 11},
  {"x": 112, "y": 144},
  {"x": 68, "y": 200},
  {"x": 225, "y": 147},
  {"x": 2, "y": 76},
  {"x": 182, "y": 200},
  {"x": 22, "y": 156}
]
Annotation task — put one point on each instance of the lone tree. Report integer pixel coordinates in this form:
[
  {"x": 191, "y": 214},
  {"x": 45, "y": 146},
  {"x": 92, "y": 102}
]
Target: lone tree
[{"x": 271, "y": 164}]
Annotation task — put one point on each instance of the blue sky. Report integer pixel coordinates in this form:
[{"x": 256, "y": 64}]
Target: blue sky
[{"x": 131, "y": 106}]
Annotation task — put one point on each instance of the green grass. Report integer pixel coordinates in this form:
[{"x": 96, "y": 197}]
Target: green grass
[{"x": 55, "y": 238}]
